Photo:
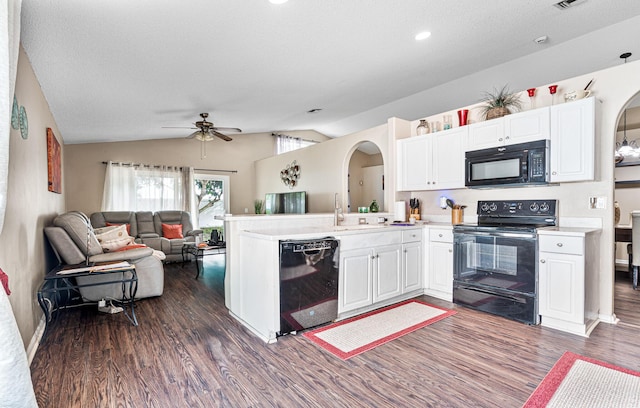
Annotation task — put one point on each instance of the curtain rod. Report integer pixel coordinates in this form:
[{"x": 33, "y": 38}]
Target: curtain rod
[
  {"x": 159, "y": 165},
  {"x": 295, "y": 137}
]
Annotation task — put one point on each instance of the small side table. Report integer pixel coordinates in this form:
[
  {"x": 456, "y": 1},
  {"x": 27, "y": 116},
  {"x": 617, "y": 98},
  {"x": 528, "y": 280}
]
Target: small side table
[
  {"x": 54, "y": 284},
  {"x": 190, "y": 248}
]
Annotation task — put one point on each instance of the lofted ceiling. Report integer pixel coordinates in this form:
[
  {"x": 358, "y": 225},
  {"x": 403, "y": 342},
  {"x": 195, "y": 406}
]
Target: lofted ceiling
[{"x": 121, "y": 70}]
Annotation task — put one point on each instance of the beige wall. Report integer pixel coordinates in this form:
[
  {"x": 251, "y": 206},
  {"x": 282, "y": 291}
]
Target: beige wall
[
  {"x": 324, "y": 168},
  {"x": 84, "y": 171},
  {"x": 30, "y": 206}
]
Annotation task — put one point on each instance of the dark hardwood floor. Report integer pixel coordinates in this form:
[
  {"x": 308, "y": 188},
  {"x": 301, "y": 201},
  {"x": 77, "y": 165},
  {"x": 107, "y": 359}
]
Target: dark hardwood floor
[{"x": 189, "y": 352}]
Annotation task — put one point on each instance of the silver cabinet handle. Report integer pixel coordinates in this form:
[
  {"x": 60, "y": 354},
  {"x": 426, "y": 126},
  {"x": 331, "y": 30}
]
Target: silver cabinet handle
[
  {"x": 450, "y": 250},
  {"x": 542, "y": 261},
  {"x": 440, "y": 235},
  {"x": 554, "y": 173},
  {"x": 500, "y": 140},
  {"x": 559, "y": 244},
  {"x": 506, "y": 138}
]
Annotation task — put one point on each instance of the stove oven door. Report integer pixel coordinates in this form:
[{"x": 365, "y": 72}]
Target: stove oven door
[{"x": 502, "y": 260}]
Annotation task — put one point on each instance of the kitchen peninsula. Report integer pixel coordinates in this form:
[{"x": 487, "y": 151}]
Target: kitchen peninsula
[{"x": 379, "y": 264}]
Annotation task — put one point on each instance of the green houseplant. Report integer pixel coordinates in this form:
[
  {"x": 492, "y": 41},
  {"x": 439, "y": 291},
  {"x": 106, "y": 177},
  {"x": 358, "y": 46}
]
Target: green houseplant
[{"x": 499, "y": 103}]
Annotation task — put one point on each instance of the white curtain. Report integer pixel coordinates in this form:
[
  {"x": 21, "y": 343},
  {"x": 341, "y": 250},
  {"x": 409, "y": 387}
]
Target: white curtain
[
  {"x": 285, "y": 143},
  {"x": 146, "y": 188},
  {"x": 9, "y": 50},
  {"x": 119, "y": 192},
  {"x": 188, "y": 185}
]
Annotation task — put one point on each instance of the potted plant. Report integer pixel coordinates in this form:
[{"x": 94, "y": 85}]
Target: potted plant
[{"x": 499, "y": 103}]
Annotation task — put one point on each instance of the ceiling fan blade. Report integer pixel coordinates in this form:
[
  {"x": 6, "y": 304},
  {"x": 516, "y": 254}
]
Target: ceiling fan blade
[
  {"x": 221, "y": 136},
  {"x": 178, "y": 127},
  {"x": 226, "y": 129}
]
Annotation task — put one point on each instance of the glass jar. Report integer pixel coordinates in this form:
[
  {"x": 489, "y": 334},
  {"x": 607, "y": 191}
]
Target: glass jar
[
  {"x": 423, "y": 127},
  {"x": 374, "y": 206}
]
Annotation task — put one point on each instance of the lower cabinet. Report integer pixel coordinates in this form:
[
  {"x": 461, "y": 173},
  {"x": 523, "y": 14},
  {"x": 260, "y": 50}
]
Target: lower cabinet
[
  {"x": 567, "y": 284},
  {"x": 439, "y": 279},
  {"x": 382, "y": 273}
]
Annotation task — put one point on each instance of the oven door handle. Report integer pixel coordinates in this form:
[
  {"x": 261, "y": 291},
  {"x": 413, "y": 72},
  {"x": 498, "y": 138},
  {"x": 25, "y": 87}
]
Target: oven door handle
[
  {"x": 524, "y": 235},
  {"x": 488, "y": 292}
]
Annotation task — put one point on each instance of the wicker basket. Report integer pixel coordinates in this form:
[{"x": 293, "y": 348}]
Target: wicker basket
[{"x": 497, "y": 113}]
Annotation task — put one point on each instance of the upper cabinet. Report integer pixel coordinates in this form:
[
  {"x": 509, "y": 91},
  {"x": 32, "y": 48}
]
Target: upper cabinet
[
  {"x": 572, "y": 141},
  {"x": 433, "y": 161},
  {"x": 510, "y": 129}
]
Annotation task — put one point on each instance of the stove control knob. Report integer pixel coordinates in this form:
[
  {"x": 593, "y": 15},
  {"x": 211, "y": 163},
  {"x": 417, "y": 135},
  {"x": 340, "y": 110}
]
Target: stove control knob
[
  {"x": 544, "y": 207},
  {"x": 493, "y": 207},
  {"x": 534, "y": 207},
  {"x": 484, "y": 207}
]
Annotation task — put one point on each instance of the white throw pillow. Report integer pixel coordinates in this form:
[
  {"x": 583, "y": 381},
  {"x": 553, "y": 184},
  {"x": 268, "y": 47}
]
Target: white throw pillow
[{"x": 114, "y": 237}]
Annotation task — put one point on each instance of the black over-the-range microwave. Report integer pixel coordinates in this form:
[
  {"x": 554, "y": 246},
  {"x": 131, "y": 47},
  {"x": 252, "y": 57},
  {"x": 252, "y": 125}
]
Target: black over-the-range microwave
[{"x": 511, "y": 165}]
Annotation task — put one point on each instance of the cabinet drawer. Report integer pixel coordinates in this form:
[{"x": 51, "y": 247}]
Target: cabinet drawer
[
  {"x": 562, "y": 244},
  {"x": 441, "y": 235},
  {"x": 413, "y": 235}
]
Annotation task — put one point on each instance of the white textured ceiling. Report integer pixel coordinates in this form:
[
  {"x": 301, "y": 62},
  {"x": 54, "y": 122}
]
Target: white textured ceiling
[{"x": 116, "y": 70}]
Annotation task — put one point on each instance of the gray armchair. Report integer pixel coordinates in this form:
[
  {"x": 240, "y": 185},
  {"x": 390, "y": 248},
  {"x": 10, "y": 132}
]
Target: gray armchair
[{"x": 72, "y": 238}]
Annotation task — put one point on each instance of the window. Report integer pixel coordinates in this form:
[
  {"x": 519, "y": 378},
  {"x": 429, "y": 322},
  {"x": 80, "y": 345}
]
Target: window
[
  {"x": 211, "y": 199},
  {"x": 286, "y": 143},
  {"x": 145, "y": 188}
]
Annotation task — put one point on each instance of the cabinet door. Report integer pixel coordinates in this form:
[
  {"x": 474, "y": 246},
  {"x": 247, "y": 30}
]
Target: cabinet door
[
  {"x": 527, "y": 126},
  {"x": 447, "y": 156},
  {"x": 441, "y": 267},
  {"x": 387, "y": 273},
  {"x": 572, "y": 141},
  {"x": 561, "y": 287},
  {"x": 414, "y": 165},
  {"x": 412, "y": 266},
  {"x": 356, "y": 267},
  {"x": 486, "y": 134}
]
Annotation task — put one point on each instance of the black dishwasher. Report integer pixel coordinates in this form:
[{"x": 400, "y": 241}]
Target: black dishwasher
[{"x": 308, "y": 283}]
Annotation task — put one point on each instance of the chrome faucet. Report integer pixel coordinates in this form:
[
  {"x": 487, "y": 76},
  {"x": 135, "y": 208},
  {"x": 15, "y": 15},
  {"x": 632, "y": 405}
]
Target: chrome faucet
[{"x": 337, "y": 211}]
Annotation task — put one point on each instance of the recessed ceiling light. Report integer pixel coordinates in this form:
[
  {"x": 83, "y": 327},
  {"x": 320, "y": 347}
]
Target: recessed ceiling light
[
  {"x": 278, "y": 1},
  {"x": 423, "y": 35}
]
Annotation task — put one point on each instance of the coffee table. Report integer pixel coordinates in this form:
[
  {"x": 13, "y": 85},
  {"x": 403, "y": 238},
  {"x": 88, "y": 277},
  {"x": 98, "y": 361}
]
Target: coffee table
[{"x": 190, "y": 248}]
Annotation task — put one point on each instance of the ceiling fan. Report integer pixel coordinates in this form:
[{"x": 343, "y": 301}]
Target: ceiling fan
[{"x": 206, "y": 130}]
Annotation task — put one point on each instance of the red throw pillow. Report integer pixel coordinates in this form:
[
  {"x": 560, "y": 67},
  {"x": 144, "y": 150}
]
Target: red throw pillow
[
  {"x": 111, "y": 224},
  {"x": 172, "y": 231}
]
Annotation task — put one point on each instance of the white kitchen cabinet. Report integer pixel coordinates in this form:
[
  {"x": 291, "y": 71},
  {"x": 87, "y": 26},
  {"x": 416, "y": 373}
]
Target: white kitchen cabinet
[
  {"x": 433, "y": 161},
  {"x": 510, "y": 129},
  {"x": 380, "y": 273},
  {"x": 387, "y": 272},
  {"x": 356, "y": 279},
  {"x": 439, "y": 279},
  {"x": 567, "y": 283},
  {"x": 411, "y": 260},
  {"x": 573, "y": 141}
]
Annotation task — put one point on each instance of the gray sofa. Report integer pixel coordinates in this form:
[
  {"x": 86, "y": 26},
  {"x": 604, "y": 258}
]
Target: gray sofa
[
  {"x": 148, "y": 228},
  {"x": 72, "y": 238}
]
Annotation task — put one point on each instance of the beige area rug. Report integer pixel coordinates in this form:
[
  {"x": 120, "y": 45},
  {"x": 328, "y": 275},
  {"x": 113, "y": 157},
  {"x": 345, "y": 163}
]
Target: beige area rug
[
  {"x": 351, "y": 337},
  {"x": 577, "y": 381}
]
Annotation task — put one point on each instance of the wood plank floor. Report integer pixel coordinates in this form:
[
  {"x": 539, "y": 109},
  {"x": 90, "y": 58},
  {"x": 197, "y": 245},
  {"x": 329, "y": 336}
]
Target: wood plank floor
[{"x": 189, "y": 352}]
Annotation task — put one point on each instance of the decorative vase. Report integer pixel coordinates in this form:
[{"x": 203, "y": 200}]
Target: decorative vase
[
  {"x": 423, "y": 127},
  {"x": 462, "y": 116},
  {"x": 374, "y": 207},
  {"x": 497, "y": 113}
]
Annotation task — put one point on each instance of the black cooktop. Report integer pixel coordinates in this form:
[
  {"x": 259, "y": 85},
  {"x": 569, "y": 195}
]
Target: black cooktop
[{"x": 517, "y": 215}]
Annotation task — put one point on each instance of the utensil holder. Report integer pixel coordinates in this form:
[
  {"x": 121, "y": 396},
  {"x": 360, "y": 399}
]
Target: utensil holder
[{"x": 456, "y": 216}]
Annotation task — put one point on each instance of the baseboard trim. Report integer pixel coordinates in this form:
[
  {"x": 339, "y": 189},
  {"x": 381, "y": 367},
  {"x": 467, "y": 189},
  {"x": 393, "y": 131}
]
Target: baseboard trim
[{"x": 35, "y": 340}]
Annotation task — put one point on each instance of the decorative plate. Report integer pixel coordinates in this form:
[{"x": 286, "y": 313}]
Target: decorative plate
[
  {"x": 24, "y": 123},
  {"x": 15, "y": 114}
]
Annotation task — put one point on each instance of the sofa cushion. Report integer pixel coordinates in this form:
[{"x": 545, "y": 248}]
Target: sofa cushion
[{"x": 170, "y": 231}]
